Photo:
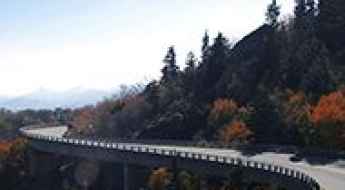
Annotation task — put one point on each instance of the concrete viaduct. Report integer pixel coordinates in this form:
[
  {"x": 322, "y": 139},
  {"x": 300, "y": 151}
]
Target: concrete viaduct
[{"x": 270, "y": 167}]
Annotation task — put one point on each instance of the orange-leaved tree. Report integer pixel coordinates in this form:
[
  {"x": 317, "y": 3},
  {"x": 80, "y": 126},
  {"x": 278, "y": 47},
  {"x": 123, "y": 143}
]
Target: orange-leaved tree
[
  {"x": 328, "y": 116},
  {"x": 230, "y": 121},
  {"x": 222, "y": 111},
  {"x": 296, "y": 110},
  {"x": 83, "y": 120},
  {"x": 236, "y": 130},
  {"x": 159, "y": 179},
  {"x": 330, "y": 109},
  {"x": 12, "y": 148},
  {"x": 5, "y": 147}
]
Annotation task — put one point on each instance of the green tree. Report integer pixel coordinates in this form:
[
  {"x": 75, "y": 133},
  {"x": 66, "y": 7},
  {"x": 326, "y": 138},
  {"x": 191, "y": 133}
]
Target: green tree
[
  {"x": 170, "y": 69},
  {"x": 305, "y": 20},
  {"x": 187, "y": 181},
  {"x": 205, "y": 45},
  {"x": 189, "y": 74},
  {"x": 266, "y": 120},
  {"x": 300, "y": 8},
  {"x": 311, "y": 7},
  {"x": 309, "y": 68},
  {"x": 213, "y": 66},
  {"x": 332, "y": 23},
  {"x": 272, "y": 14},
  {"x": 273, "y": 47},
  {"x": 151, "y": 93},
  {"x": 318, "y": 78},
  {"x": 190, "y": 62}
]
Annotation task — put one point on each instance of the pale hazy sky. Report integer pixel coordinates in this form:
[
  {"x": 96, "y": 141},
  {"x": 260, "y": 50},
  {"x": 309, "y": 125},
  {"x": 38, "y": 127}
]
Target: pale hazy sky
[{"x": 61, "y": 44}]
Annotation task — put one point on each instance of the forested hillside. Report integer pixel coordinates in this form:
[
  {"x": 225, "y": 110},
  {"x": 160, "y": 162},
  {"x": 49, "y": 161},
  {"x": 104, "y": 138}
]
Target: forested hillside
[{"x": 281, "y": 84}]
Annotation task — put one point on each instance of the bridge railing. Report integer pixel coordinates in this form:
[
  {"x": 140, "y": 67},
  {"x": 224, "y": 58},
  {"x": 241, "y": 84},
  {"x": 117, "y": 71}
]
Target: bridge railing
[
  {"x": 144, "y": 148},
  {"x": 206, "y": 144}
]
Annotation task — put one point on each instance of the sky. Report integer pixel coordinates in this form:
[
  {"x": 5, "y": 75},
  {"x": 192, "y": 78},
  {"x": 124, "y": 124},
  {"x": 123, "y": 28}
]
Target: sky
[{"x": 100, "y": 44}]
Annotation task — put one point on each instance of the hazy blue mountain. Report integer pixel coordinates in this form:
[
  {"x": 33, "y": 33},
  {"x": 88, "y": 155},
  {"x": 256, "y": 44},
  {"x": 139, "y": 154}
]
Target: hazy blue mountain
[{"x": 47, "y": 99}]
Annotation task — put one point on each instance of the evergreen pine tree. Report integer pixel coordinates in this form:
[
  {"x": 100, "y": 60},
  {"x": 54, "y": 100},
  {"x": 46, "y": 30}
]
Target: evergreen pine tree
[
  {"x": 205, "y": 44},
  {"x": 305, "y": 20},
  {"x": 311, "y": 7},
  {"x": 214, "y": 66},
  {"x": 300, "y": 8},
  {"x": 317, "y": 77},
  {"x": 190, "y": 62},
  {"x": 272, "y": 14},
  {"x": 151, "y": 93},
  {"x": 332, "y": 23},
  {"x": 170, "y": 69},
  {"x": 189, "y": 74}
]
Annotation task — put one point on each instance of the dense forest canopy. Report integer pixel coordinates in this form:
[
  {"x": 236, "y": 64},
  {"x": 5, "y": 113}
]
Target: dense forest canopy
[{"x": 270, "y": 87}]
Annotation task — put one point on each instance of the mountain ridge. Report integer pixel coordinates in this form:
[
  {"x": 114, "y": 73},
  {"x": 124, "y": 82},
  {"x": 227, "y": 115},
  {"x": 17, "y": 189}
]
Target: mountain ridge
[{"x": 49, "y": 99}]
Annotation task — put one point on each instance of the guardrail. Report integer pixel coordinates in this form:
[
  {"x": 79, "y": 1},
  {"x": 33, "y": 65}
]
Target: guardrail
[{"x": 142, "y": 148}]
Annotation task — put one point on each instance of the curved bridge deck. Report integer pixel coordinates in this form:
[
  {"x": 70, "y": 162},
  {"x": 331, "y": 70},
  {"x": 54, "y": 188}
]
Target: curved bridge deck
[{"x": 278, "y": 166}]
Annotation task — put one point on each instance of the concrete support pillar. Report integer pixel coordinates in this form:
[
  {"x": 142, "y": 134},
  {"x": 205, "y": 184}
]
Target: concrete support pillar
[
  {"x": 203, "y": 183},
  {"x": 111, "y": 177},
  {"x": 125, "y": 177},
  {"x": 42, "y": 163},
  {"x": 44, "y": 169},
  {"x": 135, "y": 177},
  {"x": 120, "y": 176}
]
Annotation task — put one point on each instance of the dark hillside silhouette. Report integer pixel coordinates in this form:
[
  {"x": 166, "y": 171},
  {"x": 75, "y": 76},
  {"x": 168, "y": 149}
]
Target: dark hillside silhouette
[{"x": 276, "y": 75}]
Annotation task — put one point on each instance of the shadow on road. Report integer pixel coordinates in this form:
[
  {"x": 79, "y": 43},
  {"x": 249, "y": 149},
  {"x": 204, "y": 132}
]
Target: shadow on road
[
  {"x": 319, "y": 159},
  {"x": 298, "y": 155}
]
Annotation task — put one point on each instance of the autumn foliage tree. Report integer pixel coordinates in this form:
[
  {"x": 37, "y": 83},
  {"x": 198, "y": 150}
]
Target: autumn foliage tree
[
  {"x": 83, "y": 120},
  {"x": 229, "y": 120},
  {"x": 4, "y": 149},
  {"x": 236, "y": 130},
  {"x": 188, "y": 181},
  {"x": 296, "y": 107},
  {"x": 295, "y": 110},
  {"x": 159, "y": 179},
  {"x": 330, "y": 109},
  {"x": 11, "y": 148},
  {"x": 14, "y": 168},
  {"x": 328, "y": 116},
  {"x": 223, "y": 111}
]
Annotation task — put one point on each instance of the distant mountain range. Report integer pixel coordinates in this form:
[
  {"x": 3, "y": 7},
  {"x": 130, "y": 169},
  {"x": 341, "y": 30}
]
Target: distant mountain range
[{"x": 47, "y": 99}]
